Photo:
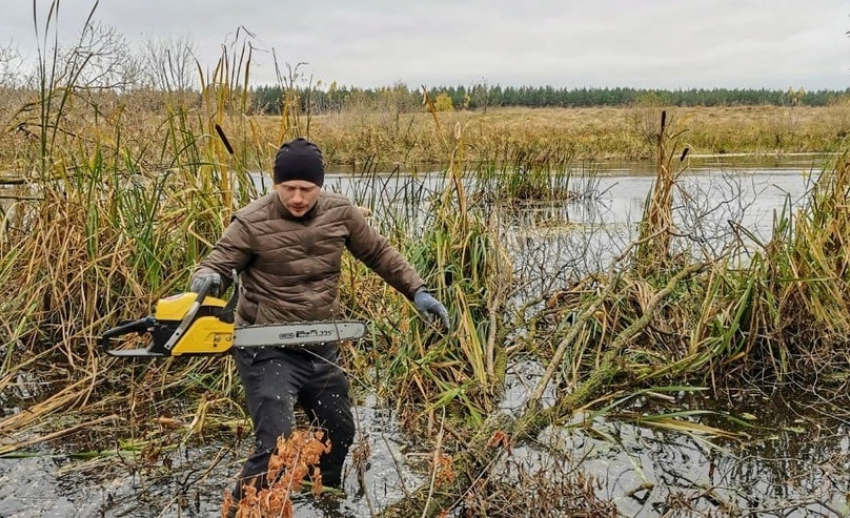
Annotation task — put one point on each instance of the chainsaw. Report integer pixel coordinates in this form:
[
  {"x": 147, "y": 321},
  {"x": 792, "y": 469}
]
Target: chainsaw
[{"x": 195, "y": 324}]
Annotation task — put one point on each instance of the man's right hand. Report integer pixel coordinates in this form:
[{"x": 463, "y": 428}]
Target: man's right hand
[{"x": 199, "y": 280}]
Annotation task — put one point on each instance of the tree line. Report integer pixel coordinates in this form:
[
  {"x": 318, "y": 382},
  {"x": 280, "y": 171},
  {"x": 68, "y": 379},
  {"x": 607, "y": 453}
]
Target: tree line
[{"x": 270, "y": 99}]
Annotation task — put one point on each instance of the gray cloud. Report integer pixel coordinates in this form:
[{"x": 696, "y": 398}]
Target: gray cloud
[{"x": 593, "y": 43}]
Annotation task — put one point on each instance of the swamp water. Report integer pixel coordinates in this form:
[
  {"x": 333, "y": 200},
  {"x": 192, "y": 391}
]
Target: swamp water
[{"x": 786, "y": 454}]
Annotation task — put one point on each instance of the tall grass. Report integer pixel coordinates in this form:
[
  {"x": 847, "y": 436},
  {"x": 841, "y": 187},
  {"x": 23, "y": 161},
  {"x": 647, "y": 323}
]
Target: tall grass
[
  {"x": 455, "y": 247},
  {"x": 100, "y": 236},
  {"x": 776, "y": 312},
  {"x": 117, "y": 222}
]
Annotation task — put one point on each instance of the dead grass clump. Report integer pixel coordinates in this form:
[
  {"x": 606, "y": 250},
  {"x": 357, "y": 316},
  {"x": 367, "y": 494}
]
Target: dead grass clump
[
  {"x": 543, "y": 495},
  {"x": 296, "y": 459}
]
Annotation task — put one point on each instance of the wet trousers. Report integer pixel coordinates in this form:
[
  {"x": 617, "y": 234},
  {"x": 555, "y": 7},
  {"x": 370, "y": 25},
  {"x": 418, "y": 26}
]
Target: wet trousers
[{"x": 274, "y": 380}]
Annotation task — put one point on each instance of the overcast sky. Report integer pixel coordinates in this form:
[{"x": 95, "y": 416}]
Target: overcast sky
[{"x": 668, "y": 44}]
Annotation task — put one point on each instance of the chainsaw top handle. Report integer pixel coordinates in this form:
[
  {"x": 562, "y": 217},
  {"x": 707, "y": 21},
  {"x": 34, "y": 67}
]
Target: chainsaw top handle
[
  {"x": 228, "y": 314},
  {"x": 190, "y": 315},
  {"x": 202, "y": 293}
]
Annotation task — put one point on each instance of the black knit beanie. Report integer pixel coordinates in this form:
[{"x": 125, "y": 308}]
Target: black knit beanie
[{"x": 299, "y": 160}]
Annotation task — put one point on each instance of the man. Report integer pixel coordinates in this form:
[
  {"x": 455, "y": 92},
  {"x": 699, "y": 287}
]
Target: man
[{"x": 288, "y": 247}]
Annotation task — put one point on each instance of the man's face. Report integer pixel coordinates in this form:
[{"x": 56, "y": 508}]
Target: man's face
[{"x": 298, "y": 196}]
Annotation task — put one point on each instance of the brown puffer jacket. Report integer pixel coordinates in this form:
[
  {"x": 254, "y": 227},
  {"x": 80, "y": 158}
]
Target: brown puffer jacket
[{"x": 291, "y": 267}]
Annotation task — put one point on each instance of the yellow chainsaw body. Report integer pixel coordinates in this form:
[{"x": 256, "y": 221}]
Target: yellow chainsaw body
[{"x": 207, "y": 334}]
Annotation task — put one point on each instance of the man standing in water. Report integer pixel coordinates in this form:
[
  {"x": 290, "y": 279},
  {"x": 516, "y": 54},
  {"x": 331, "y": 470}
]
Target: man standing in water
[{"x": 288, "y": 247}]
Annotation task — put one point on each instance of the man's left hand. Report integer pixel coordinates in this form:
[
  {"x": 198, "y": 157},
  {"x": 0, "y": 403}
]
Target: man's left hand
[{"x": 430, "y": 307}]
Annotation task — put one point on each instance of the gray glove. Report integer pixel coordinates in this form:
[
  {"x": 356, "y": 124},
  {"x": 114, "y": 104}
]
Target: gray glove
[
  {"x": 430, "y": 307},
  {"x": 199, "y": 279}
]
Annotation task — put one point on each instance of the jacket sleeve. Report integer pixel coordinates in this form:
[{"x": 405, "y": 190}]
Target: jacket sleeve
[
  {"x": 373, "y": 249},
  {"x": 233, "y": 251}
]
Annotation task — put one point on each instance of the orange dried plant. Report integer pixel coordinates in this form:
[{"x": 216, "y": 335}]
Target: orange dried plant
[
  {"x": 294, "y": 460},
  {"x": 500, "y": 438},
  {"x": 445, "y": 473}
]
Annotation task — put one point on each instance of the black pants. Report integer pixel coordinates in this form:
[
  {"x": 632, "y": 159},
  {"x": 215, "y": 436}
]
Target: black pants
[{"x": 274, "y": 380}]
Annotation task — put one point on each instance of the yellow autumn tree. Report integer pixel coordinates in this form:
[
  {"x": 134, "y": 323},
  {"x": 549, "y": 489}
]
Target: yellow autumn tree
[{"x": 443, "y": 103}]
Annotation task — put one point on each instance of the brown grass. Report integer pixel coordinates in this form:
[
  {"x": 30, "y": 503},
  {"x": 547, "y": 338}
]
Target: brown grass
[
  {"x": 603, "y": 132},
  {"x": 363, "y": 137}
]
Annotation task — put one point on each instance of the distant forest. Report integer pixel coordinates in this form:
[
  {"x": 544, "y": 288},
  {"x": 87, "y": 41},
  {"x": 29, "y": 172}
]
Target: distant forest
[{"x": 270, "y": 99}]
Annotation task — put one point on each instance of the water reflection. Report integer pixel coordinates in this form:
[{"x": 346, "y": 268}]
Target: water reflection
[
  {"x": 712, "y": 203},
  {"x": 787, "y": 461},
  {"x": 649, "y": 472}
]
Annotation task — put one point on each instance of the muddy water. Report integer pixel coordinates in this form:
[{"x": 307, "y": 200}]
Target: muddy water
[
  {"x": 790, "y": 460},
  {"x": 190, "y": 481}
]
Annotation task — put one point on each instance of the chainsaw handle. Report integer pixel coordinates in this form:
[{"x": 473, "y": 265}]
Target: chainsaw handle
[
  {"x": 139, "y": 326},
  {"x": 178, "y": 333},
  {"x": 205, "y": 287},
  {"x": 228, "y": 314}
]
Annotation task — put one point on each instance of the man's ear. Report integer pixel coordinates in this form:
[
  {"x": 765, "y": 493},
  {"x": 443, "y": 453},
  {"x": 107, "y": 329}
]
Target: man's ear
[{"x": 365, "y": 211}]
